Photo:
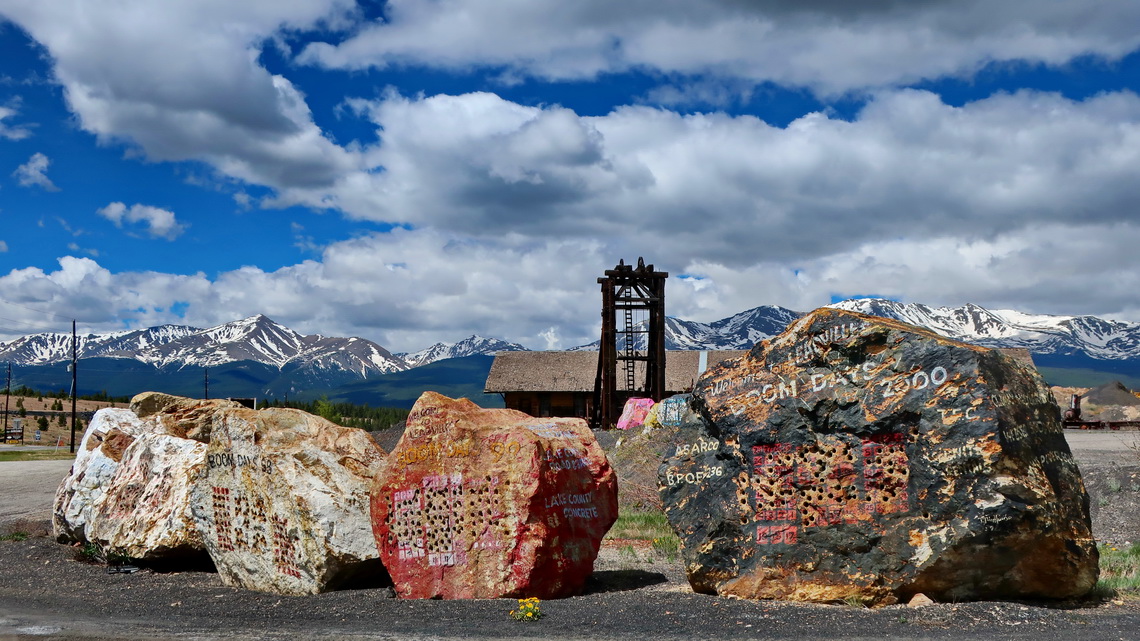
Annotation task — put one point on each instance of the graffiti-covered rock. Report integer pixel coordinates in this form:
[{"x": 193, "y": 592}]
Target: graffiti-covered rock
[
  {"x": 479, "y": 503},
  {"x": 634, "y": 413},
  {"x": 144, "y": 512},
  {"x": 109, "y": 434},
  {"x": 636, "y": 454},
  {"x": 854, "y": 456},
  {"x": 282, "y": 505}
]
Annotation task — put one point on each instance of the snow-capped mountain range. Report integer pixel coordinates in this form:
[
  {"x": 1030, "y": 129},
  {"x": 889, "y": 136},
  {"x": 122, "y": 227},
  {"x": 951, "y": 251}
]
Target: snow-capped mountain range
[
  {"x": 467, "y": 347},
  {"x": 1039, "y": 333},
  {"x": 316, "y": 358},
  {"x": 257, "y": 338}
]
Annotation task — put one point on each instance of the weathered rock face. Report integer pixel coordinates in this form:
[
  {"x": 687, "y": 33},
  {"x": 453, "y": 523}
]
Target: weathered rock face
[
  {"x": 856, "y": 456},
  {"x": 105, "y": 443},
  {"x": 482, "y": 503},
  {"x": 283, "y": 504},
  {"x": 179, "y": 416},
  {"x": 109, "y": 434},
  {"x": 144, "y": 512}
]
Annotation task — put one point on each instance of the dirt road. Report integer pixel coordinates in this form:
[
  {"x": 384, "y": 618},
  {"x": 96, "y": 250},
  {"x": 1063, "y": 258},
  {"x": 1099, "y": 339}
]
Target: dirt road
[{"x": 28, "y": 487}]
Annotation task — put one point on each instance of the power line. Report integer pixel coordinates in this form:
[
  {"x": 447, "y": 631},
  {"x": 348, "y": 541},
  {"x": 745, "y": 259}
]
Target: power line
[
  {"x": 33, "y": 309},
  {"x": 18, "y": 322}
]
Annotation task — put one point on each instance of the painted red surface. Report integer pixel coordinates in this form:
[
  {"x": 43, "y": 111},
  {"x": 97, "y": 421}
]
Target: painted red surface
[{"x": 480, "y": 503}]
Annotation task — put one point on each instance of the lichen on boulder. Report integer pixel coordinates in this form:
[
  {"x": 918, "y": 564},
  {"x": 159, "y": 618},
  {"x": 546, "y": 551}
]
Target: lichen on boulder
[{"x": 859, "y": 457}]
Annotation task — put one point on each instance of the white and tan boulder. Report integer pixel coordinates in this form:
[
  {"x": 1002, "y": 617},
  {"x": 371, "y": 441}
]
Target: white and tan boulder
[
  {"x": 145, "y": 512},
  {"x": 282, "y": 505},
  {"x": 107, "y": 437}
]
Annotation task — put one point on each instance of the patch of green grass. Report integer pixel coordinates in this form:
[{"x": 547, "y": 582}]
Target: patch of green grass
[
  {"x": 667, "y": 546},
  {"x": 855, "y": 601},
  {"x": 646, "y": 525},
  {"x": 1119, "y": 568},
  {"x": 1102, "y": 591},
  {"x": 35, "y": 455},
  {"x": 1114, "y": 484},
  {"x": 14, "y": 536},
  {"x": 90, "y": 553}
]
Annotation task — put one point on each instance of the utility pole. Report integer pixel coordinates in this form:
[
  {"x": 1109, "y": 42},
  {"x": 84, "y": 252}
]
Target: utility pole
[
  {"x": 7, "y": 396},
  {"x": 206, "y": 382},
  {"x": 74, "y": 374}
]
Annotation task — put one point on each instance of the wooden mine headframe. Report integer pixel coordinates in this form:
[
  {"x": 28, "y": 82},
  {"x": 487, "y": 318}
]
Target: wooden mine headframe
[{"x": 628, "y": 340}]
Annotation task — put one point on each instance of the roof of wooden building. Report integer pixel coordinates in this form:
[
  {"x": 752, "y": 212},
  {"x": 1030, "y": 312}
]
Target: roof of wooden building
[{"x": 577, "y": 371}]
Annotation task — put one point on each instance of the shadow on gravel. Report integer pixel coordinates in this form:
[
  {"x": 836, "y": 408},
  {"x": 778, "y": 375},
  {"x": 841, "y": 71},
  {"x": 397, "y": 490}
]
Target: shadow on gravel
[
  {"x": 187, "y": 563},
  {"x": 604, "y": 581}
]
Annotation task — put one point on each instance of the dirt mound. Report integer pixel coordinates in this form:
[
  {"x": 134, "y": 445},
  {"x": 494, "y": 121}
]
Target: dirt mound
[
  {"x": 1114, "y": 393},
  {"x": 635, "y": 455}
]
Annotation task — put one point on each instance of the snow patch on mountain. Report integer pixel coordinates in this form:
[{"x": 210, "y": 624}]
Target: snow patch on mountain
[
  {"x": 1039, "y": 333},
  {"x": 740, "y": 331},
  {"x": 469, "y": 346},
  {"x": 259, "y": 338},
  {"x": 40, "y": 349}
]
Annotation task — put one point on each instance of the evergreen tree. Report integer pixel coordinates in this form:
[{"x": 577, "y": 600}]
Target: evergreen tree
[{"x": 324, "y": 409}]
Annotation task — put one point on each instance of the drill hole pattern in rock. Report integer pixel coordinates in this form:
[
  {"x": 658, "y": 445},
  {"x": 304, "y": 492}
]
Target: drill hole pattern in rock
[
  {"x": 853, "y": 456},
  {"x": 282, "y": 505},
  {"x": 491, "y": 503}
]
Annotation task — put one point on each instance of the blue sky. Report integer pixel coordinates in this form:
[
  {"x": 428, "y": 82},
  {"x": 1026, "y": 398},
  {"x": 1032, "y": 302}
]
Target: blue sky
[{"x": 424, "y": 170}]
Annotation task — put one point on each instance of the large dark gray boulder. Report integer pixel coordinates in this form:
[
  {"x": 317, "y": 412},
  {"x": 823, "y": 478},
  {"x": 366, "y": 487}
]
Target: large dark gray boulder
[{"x": 858, "y": 457}]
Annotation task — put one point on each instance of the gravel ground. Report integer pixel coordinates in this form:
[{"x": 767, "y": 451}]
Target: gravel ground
[{"x": 46, "y": 593}]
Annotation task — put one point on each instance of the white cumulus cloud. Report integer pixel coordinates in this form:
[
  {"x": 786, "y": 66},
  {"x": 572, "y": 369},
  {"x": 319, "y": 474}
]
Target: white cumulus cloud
[
  {"x": 701, "y": 186},
  {"x": 829, "y": 46},
  {"x": 34, "y": 173},
  {"x": 180, "y": 80},
  {"x": 154, "y": 221},
  {"x": 411, "y": 288},
  {"x": 16, "y": 132}
]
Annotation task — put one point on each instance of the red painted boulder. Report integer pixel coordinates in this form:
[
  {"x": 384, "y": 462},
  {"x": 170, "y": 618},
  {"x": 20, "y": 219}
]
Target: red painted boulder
[{"x": 488, "y": 503}]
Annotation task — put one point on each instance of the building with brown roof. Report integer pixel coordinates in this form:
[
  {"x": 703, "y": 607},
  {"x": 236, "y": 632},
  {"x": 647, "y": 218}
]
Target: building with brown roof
[{"x": 562, "y": 383}]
